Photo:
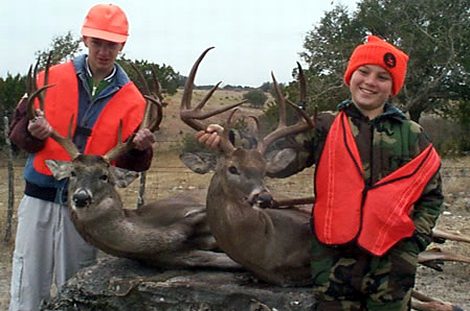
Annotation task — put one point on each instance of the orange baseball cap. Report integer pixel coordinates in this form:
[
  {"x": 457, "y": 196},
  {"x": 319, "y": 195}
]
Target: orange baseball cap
[
  {"x": 107, "y": 22},
  {"x": 379, "y": 52}
]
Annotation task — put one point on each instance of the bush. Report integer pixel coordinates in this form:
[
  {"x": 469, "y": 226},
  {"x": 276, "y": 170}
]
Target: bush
[{"x": 256, "y": 98}]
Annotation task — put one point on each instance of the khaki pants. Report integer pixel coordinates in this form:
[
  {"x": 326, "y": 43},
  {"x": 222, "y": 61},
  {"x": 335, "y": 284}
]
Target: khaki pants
[{"x": 47, "y": 249}]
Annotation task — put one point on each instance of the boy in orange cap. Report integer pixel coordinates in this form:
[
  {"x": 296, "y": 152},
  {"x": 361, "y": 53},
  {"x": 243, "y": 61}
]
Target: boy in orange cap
[
  {"x": 378, "y": 189},
  {"x": 97, "y": 91}
]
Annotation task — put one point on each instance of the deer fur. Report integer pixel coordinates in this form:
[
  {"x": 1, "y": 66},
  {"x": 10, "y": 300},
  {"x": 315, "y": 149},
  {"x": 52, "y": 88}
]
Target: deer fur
[{"x": 168, "y": 233}]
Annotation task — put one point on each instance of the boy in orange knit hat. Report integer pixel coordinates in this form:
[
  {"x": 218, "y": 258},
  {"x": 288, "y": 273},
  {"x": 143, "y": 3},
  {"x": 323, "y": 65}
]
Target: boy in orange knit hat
[{"x": 377, "y": 187}]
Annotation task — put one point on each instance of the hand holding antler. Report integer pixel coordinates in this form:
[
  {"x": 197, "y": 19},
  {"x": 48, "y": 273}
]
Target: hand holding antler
[
  {"x": 211, "y": 136},
  {"x": 143, "y": 139},
  {"x": 38, "y": 127}
]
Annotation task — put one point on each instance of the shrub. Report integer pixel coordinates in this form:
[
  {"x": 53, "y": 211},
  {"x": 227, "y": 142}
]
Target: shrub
[{"x": 256, "y": 98}]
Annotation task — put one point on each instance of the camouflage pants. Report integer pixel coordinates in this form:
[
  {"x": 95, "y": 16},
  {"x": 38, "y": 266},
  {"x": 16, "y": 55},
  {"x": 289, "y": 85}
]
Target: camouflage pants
[{"x": 349, "y": 278}]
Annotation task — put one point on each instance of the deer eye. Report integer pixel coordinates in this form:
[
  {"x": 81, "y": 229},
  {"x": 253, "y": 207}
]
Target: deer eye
[
  {"x": 233, "y": 170},
  {"x": 73, "y": 174},
  {"x": 104, "y": 177}
]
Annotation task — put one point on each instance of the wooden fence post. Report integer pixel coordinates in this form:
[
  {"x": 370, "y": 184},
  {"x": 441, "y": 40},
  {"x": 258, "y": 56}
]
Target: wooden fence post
[{"x": 11, "y": 184}]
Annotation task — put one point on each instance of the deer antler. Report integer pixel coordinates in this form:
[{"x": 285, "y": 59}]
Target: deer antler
[
  {"x": 192, "y": 116},
  {"x": 282, "y": 129},
  {"x": 155, "y": 98},
  {"x": 34, "y": 92},
  {"x": 151, "y": 98}
]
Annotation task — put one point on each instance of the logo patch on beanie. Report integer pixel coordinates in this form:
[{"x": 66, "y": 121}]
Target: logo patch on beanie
[{"x": 389, "y": 60}]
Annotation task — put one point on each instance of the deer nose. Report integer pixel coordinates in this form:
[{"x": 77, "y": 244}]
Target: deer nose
[
  {"x": 262, "y": 199},
  {"x": 81, "y": 198}
]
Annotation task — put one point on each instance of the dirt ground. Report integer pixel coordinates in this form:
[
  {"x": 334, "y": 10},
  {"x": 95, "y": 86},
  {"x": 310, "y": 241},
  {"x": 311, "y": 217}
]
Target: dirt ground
[{"x": 168, "y": 177}]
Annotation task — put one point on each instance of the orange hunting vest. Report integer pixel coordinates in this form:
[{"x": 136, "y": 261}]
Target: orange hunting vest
[
  {"x": 61, "y": 103},
  {"x": 377, "y": 216}
]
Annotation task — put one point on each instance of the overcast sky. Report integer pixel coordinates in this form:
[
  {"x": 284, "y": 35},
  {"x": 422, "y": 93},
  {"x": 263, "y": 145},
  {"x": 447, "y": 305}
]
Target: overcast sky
[{"x": 251, "y": 37}]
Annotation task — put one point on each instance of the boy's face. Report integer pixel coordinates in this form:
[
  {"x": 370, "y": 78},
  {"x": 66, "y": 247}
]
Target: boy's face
[
  {"x": 102, "y": 54},
  {"x": 371, "y": 87}
]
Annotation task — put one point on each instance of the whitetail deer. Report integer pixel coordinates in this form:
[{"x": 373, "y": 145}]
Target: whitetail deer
[
  {"x": 274, "y": 244},
  {"x": 166, "y": 233}
]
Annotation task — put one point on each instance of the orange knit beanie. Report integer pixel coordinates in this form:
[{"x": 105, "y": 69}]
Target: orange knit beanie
[{"x": 378, "y": 52}]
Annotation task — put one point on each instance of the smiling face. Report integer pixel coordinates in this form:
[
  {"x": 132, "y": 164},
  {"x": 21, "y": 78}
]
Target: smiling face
[
  {"x": 371, "y": 87},
  {"x": 102, "y": 54}
]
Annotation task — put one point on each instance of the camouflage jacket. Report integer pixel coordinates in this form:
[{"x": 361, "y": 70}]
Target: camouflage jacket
[{"x": 385, "y": 143}]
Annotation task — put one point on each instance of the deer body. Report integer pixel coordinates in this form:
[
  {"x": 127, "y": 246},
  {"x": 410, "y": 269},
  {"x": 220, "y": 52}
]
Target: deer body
[
  {"x": 272, "y": 243},
  {"x": 166, "y": 233},
  {"x": 169, "y": 233}
]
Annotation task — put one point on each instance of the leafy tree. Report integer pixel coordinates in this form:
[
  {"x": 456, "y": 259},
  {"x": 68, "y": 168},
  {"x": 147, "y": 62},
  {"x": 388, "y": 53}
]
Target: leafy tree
[
  {"x": 11, "y": 90},
  {"x": 266, "y": 87},
  {"x": 434, "y": 33},
  {"x": 256, "y": 97},
  {"x": 63, "y": 48},
  {"x": 168, "y": 78}
]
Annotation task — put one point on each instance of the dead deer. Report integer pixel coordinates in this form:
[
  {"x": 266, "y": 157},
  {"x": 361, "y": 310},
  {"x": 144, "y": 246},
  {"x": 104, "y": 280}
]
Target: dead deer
[
  {"x": 166, "y": 233},
  {"x": 272, "y": 243}
]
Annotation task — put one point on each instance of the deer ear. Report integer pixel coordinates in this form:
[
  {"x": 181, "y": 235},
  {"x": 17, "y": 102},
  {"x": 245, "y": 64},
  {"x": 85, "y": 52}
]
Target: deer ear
[
  {"x": 122, "y": 177},
  {"x": 59, "y": 169},
  {"x": 278, "y": 161},
  {"x": 199, "y": 162}
]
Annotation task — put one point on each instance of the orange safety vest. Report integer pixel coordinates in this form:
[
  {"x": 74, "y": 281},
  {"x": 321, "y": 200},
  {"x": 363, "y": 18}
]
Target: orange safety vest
[
  {"x": 377, "y": 216},
  {"x": 61, "y": 103}
]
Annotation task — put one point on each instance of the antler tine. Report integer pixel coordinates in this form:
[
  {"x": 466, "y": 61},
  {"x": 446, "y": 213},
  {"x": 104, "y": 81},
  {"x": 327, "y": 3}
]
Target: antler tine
[
  {"x": 282, "y": 129},
  {"x": 257, "y": 126},
  {"x": 37, "y": 93},
  {"x": 158, "y": 86},
  {"x": 66, "y": 142},
  {"x": 33, "y": 91},
  {"x": 302, "y": 86},
  {"x": 156, "y": 100},
  {"x": 141, "y": 78},
  {"x": 29, "y": 81},
  {"x": 148, "y": 117},
  {"x": 190, "y": 116},
  {"x": 120, "y": 147},
  {"x": 46, "y": 79}
]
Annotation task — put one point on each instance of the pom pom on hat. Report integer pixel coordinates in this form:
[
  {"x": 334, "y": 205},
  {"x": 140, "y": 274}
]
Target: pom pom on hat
[{"x": 379, "y": 52}]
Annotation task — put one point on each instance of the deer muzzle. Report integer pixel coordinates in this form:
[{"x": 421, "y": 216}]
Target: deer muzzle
[
  {"x": 81, "y": 198},
  {"x": 262, "y": 198}
]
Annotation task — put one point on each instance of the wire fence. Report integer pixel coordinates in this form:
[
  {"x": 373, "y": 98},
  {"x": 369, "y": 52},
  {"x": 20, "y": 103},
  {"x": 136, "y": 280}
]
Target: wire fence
[{"x": 168, "y": 176}]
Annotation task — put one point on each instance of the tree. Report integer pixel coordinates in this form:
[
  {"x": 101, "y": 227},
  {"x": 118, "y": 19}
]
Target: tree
[
  {"x": 256, "y": 98},
  {"x": 11, "y": 90},
  {"x": 63, "y": 48},
  {"x": 168, "y": 78},
  {"x": 434, "y": 33}
]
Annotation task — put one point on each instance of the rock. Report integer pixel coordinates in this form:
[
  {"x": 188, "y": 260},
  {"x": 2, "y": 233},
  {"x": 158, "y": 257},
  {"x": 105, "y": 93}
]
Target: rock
[{"x": 122, "y": 284}]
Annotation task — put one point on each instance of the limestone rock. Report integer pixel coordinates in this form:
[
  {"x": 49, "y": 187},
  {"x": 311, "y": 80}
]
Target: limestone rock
[{"x": 122, "y": 284}]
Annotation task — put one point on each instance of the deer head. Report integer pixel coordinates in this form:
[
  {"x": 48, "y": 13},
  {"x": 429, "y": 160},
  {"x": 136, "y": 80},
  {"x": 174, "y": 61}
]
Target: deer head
[{"x": 90, "y": 175}]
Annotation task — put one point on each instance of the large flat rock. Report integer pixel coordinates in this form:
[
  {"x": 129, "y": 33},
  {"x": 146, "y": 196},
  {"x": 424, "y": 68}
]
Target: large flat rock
[{"x": 122, "y": 284}]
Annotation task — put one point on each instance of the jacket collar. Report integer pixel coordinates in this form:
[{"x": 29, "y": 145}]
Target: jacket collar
[
  {"x": 80, "y": 64},
  {"x": 390, "y": 112}
]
